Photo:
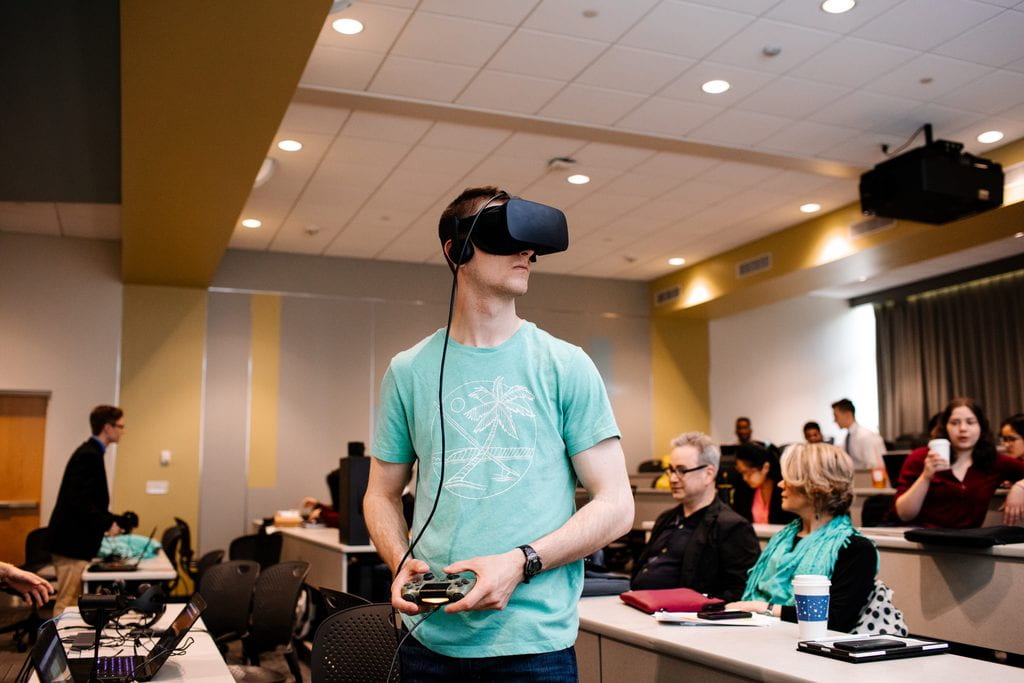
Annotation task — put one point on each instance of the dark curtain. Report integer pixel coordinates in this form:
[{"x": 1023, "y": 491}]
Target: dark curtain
[{"x": 965, "y": 340}]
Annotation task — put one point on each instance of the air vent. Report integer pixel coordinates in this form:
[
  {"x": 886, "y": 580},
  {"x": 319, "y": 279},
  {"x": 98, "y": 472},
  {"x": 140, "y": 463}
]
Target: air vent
[
  {"x": 870, "y": 225},
  {"x": 753, "y": 266},
  {"x": 666, "y": 295}
]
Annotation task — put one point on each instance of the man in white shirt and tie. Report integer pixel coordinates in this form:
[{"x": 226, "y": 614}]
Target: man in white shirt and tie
[{"x": 863, "y": 445}]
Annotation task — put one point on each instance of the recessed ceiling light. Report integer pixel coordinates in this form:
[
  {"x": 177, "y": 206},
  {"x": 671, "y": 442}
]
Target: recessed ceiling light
[
  {"x": 290, "y": 145},
  {"x": 347, "y": 27},
  {"x": 838, "y": 6},
  {"x": 578, "y": 179},
  {"x": 990, "y": 136},
  {"x": 810, "y": 208},
  {"x": 252, "y": 223},
  {"x": 715, "y": 87},
  {"x": 862, "y": 278},
  {"x": 676, "y": 261},
  {"x": 1018, "y": 235}
]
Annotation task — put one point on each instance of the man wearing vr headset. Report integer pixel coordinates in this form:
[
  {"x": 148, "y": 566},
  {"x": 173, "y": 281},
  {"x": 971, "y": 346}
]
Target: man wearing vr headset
[{"x": 525, "y": 415}]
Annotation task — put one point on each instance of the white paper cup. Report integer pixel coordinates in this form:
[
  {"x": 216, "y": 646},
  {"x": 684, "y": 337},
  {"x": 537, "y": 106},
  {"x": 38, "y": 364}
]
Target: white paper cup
[
  {"x": 940, "y": 446},
  {"x": 811, "y": 593}
]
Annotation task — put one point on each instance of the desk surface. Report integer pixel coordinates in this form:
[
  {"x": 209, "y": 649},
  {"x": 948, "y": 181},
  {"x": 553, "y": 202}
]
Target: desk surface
[
  {"x": 767, "y": 653},
  {"x": 322, "y": 536},
  {"x": 156, "y": 568}
]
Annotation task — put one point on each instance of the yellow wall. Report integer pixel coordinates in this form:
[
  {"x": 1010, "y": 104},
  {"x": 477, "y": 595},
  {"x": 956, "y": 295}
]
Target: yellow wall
[
  {"x": 162, "y": 348},
  {"x": 680, "y": 368},
  {"x": 265, "y": 379}
]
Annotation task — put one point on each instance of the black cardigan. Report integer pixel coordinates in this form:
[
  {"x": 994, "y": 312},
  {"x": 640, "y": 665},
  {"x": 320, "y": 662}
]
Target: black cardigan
[
  {"x": 81, "y": 517},
  {"x": 743, "y": 501}
]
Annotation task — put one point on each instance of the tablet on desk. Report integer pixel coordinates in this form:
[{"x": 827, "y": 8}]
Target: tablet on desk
[{"x": 872, "y": 648}]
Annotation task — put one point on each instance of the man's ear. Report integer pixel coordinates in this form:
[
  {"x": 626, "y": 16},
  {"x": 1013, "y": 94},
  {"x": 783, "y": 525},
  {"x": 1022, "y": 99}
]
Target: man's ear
[{"x": 447, "y": 249}]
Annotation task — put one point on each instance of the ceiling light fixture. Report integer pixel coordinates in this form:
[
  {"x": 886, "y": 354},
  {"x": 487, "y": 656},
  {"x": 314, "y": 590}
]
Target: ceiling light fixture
[
  {"x": 289, "y": 145},
  {"x": 252, "y": 223},
  {"x": 267, "y": 169},
  {"x": 716, "y": 87},
  {"x": 838, "y": 6},
  {"x": 676, "y": 261},
  {"x": 810, "y": 208},
  {"x": 347, "y": 27},
  {"x": 1018, "y": 235},
  {"x": 862, "y": 278},
  {"x": 990, "y": 136},
  {"x": 578, "y": 179}
]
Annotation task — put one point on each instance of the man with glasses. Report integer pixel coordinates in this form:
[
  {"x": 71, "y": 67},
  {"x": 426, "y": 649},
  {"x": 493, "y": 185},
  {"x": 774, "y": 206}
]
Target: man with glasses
[
  {"x": 80, "y": 517},
  {"x": 701, "y": 543}
]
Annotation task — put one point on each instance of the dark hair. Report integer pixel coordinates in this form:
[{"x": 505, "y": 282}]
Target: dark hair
[
  {"x": 755, "y": 456},
  {"x": 812, "y": 425},
  {"x": 463, "y": 206},
  {"x": 742, "y": 419},
  {"x": 102, "y": 416},
  {"x": 845, "y": 405},
  {"x": 984, "y": 453},
  {"x": 1014, "y": 422}
]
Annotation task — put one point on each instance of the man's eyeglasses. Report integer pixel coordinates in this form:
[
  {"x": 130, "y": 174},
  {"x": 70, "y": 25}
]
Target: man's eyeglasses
[
  {"x": 119, "y": 425},
  {"x": 680, "y": 470}
]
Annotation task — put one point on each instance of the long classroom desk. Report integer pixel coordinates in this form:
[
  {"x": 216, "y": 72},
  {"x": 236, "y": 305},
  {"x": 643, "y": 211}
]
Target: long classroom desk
[
  {"x": 966, "y": 595},
  {"x": 327, "y": 556},
  {"x": 619, "y": 643}
]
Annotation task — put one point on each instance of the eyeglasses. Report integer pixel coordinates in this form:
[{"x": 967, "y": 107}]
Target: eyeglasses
[
  {"x": 680, "y": 471},
  {"x": 119, "y": 425},
  {"x": 1009, "y": 438}
]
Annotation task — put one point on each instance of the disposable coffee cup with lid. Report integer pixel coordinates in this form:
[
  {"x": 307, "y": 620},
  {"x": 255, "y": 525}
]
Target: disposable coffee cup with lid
[
  {"x": 940, "y": 446},
  {"x": 811, "y": 593}
]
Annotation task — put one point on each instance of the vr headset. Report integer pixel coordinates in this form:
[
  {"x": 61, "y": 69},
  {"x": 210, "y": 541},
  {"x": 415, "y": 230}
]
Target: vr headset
[{"x": 513, "y": 227}]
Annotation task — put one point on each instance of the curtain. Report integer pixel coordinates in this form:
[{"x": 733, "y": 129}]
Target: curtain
[{"x": 965, "y": 340}]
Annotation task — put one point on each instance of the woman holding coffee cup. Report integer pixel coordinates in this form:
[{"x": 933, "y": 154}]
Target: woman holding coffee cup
[
  {"x": 951, "y": 485},
  {"x": 817, "y": 486}
]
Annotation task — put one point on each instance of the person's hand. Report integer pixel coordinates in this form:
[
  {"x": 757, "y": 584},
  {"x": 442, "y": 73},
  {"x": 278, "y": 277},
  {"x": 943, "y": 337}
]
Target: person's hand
[
  {"x": 934, "y": 463},
  {"x": 756, "y": 606},
  {"x": 314, "y": 515},
  {"x": 309, "y": 501},
  {"x": 410, "y": 570},
  {"x": 1013, "y": 508},
  {"x": 114, "y": 530},
  {"x": 496, "y": 577},
  {"x": 33, "y": 588}
]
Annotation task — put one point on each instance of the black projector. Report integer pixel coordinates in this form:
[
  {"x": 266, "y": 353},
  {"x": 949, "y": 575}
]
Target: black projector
[{"x": 936, "y": 183}]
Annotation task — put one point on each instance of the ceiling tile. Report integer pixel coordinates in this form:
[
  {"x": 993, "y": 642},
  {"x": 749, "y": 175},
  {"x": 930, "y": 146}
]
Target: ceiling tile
[
  {"x": 381, "y": 26},
  {"x": 299, "y": 236},
  {"x": 810, "y": 14},
  {"x": 448, "y": 161},
  {"x": 641, "y": 185},
  {"x": 945, "y": 75},
  {"x": 679, "y": 166},
  {"x": 389, "y": 127},
  {"x": 797, "y": 43},
  {"x": 943, "y": 119},
  {"x": 794, "y": 183},
  {"x": 603, "y": 207},
  {"x": 685, "y": 29},
  {"x": 38, "y": 218},
  {"x": 694, "y": 195},
  {"x": 1012, "y": 129},
  {"x": 635, "y": 70},
  {"x": 737, "y": 128},
  {"x": 312, "y": 118},
  {"x": 918, "y": 25},
  {"x": 619, "y": 157},
  {"x": 497, "y": 11},
  {"x": 334, "y": 174},
  {"x": 591, "y": 105},
  {"x": 545, "y": 55},
  {"x": 453, "y": 40},
  {"x": 508, "y": 172},
  {"x": 792, "y": 97},
  {"x": 539, "y": 147},
  {"x": 853, "y": 62},
  {"x": 864, "y": 110},
  {"x": 501, "y": 91},
  {"x": 408, "y": 4},
  {"x": 421, "y": 79},
  {"x": 668, "y": 117},
  {"x": 807, "y": 138},
  {"x": 742, "y": 81},
  {"x": 422, "y": 182},
  {"x": 990, "y": 94},
  {"x": 469, "y": 138},
  {"x": 361, "y": 151},
  {"x": 739, "y": 174},
  {"x": 863, "y": 148},
  {"x": 95, "y": 221},
  {"x": 997, "y": 42},
  {"x": 748, "y": 6},
  {"x": 612, "y": 17},
  {"x": 335, "y": 67}
]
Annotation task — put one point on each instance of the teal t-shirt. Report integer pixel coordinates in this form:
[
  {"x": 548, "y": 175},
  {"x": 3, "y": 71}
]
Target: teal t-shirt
[{"x": 515, "y": 414}]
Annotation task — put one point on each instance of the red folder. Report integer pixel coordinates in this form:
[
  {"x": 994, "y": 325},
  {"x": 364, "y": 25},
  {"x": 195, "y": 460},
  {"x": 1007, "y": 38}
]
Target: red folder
[{"x": 672, "y": 600}]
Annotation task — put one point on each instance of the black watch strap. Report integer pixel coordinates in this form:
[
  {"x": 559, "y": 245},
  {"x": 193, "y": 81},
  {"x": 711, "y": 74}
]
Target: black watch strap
[{"x": 533, "y": 565}]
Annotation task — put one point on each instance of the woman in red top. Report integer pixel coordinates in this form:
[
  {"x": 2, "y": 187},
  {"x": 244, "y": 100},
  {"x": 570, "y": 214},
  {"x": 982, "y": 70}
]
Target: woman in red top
[{"x": 932, "y": 493}]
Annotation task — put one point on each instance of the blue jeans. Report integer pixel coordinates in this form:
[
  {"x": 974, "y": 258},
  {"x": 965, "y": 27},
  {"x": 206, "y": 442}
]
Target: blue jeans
[{"x": 422, "y": 664}]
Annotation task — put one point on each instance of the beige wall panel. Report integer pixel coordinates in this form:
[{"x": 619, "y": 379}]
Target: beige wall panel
[{"x": 680, "y": 395}]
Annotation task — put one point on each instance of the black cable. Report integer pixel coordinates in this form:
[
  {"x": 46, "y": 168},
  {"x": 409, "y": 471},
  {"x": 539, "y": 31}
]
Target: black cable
[
  {"x": 926, "y": 127},
  {"x": 394, "y": 657}
]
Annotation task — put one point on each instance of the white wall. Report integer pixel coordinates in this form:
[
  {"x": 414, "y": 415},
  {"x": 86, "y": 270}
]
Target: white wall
[
  {"x": 60, "y": 332},
  {"x": 785, "y": 364}
]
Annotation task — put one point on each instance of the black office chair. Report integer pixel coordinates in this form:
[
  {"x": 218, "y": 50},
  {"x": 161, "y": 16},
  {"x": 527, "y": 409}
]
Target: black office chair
[
  {"x": 272, "y": 620},
  {"x": 263, "y": 548},
  {"x": 356, "y": 644},
  {"x": 36, "y": 557},
  {"x": 193, "y": 568},
  {"x": 170, "y": 542},
  {"x": 336, "y": 601},
  {"x": 227, "y": 589}
]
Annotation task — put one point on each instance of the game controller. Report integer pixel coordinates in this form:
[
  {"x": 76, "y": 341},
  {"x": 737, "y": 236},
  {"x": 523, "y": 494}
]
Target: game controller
[{"x": 438, "y": 589}]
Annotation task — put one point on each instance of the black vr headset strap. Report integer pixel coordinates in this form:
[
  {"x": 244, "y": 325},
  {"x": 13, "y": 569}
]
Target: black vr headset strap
[{"x": 461, "y": 251}]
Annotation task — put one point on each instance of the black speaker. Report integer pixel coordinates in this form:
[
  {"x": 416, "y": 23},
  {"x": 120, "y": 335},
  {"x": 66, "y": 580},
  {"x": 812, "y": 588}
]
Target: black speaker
[{"x": 353, "y": 476}]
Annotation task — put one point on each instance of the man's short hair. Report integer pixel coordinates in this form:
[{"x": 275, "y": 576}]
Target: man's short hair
[
  {"x": 743, "y": 419},
  {"x": 845, "y": 405},
  {"x": 102, "y": 416},
  {"x": 708, "y": 451},
  {"x": 812, "y": 425}
]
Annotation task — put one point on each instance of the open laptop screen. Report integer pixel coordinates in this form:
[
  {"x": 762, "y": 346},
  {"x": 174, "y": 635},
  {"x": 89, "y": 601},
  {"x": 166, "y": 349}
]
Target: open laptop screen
[{"x": 171, "y": 638}]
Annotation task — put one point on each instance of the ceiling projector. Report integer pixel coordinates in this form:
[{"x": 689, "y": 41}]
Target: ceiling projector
[{"x": 936, "y": 183}]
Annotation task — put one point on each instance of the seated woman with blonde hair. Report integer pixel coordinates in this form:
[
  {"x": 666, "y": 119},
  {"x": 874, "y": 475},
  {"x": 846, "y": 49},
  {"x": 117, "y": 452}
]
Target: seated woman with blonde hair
[{"x": 817, "y": 486}]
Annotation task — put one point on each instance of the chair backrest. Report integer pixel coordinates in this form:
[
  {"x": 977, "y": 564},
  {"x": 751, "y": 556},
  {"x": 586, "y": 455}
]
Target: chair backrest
[
  {"x": 356, "y": 644},
  {"x": 214, "y": 557},
  {"x": 228, "y": 589},
  {"x": 264, "y": 548},
  {"x": 272, "y": 620},
  {"x": 170, "y": 541},
  {"x": 185, "y": 549},
  {"x": 336, "y": 601},
  {"x": 37, "y": 554}
]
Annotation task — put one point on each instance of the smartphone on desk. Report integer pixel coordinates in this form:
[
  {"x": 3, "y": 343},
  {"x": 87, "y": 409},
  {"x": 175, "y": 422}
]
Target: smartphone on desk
[
  {"x": 868, "y": 644},
  {"x": 727, "y": 614}
]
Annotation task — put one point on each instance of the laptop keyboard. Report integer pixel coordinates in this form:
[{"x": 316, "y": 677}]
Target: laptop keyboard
[{"x": 115, "y": 669}]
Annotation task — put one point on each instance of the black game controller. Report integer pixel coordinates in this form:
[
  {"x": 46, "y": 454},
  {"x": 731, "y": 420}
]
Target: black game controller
[{"x": 434, "y": 590}]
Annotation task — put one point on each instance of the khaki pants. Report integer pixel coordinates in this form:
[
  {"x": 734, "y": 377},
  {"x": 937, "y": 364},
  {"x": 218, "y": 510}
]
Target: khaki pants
[{"x": 69, "y": 581}]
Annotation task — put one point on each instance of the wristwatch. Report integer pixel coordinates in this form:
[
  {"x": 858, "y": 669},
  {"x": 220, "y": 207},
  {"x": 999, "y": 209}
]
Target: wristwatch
[{"x": 533, "y": 565}]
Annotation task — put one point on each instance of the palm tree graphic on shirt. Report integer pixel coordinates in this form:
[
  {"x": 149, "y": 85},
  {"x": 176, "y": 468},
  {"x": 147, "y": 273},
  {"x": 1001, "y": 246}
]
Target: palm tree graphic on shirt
[{"x": 499, "y": 416}]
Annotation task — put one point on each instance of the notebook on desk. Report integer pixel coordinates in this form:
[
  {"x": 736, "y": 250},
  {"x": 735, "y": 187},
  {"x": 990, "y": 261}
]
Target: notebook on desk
[
  {"x": 124, "y": 565},
  {"x": 51, "y": 661}
]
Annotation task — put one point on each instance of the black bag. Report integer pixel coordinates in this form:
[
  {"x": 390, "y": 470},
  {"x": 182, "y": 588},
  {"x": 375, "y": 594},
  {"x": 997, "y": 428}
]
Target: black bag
[{"x": 985, "y": 537}]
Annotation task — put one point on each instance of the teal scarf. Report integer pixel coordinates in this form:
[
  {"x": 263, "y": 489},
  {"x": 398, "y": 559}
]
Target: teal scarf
[{"x": 771, "y": 579}]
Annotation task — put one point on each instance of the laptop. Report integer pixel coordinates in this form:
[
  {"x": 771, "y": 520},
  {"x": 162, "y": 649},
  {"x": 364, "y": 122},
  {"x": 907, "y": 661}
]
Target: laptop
[
  {"x": 51, "y": 661},
  {"x": 124, "y": 565}
]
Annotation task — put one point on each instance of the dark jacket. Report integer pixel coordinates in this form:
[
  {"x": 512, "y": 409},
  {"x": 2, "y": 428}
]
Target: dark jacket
[
  {"x": 719, "y": 554},
  {"x": 80, "y": 516},
  {"x": 743, "y": 501}
]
